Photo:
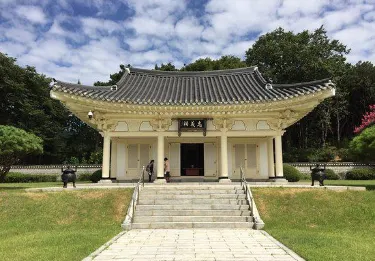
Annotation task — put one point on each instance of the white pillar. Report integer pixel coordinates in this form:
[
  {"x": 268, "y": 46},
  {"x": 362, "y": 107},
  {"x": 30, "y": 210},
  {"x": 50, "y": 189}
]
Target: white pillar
[
  {"x": 271, "y": 162},
  {"x": 279, "y": 157},
  {"x": 160, "y": 161},
  {"x": 224, "y": 157},
  {"x": 106, "y": 156},
  {"x": 113, "y": 163}
]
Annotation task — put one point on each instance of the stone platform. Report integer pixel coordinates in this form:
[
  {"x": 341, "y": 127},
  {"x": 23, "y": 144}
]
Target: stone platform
[{"x": 194, "y": 244}]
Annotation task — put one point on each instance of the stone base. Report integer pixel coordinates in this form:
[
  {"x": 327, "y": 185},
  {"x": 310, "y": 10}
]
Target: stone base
[
  {"x": 160, "y": 181},
  {"x": 225, "y": 181},
  {"x": 105, "y": 181},
  {"x": 279, "y": 180}
]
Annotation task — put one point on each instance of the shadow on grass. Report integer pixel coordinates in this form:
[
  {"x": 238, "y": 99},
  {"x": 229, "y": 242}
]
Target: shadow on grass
[
  {"x": 12, "y": 188},
  {"x": 370, "y": 187}
]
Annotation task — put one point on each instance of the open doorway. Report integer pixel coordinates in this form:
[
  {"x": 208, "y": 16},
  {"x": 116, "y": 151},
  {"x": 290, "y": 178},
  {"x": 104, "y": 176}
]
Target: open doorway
[{"x": 192, "y": 159}]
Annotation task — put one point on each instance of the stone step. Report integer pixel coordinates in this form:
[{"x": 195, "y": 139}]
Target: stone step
[
  {"x": 200, "y": 196},
  {"x": 196, "y": 212},
  {"x": 182, "y": 225},
  {"x": 152, "y": 219},
  {"x": 190, "y": 191},
  {"x": 195, "y": 187},
  {"x": 160, "y": 201},
  {"x": 193, "y": 207}
]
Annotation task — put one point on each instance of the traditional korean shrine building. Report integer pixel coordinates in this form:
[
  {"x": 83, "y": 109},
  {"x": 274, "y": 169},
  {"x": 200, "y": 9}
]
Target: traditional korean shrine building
[{"x": 208, "y": 124}]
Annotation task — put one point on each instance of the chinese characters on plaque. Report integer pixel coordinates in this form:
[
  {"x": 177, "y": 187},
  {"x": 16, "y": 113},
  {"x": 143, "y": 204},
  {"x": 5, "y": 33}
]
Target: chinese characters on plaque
[{"x": 191, "y": 125}]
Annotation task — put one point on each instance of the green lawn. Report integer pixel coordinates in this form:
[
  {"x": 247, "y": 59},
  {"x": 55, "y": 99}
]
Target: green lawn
[
  {"x": 320, "y": 224},
  {"x": 65, "y": 225},
  {"x": 369, "y": 184}
]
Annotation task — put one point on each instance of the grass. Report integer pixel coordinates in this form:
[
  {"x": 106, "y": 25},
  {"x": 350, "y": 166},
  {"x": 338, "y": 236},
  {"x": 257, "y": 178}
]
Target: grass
[
  {"x": 22, "y": 186},
  {"x": 369, "y": 184},
  {"x": 320, "y": 224},
  {"x": 65, "y": 225}
]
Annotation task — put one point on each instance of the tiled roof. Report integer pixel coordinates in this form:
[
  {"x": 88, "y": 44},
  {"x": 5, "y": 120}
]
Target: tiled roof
[{"x": 244, "y": 85}]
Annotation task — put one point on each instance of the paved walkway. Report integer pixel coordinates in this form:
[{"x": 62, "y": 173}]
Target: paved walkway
[{"x": 194, "y": 244}]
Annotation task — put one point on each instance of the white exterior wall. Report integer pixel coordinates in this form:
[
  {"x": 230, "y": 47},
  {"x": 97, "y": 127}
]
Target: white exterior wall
[
  {"x": 120, "y": 156},
  {"x": 121, "y": 160},
  {"x": 263, "y": 160}
]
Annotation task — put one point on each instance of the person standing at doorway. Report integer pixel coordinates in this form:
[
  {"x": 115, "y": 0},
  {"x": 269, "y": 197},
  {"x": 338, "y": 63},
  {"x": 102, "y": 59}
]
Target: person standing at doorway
[
  {"x": 150, "y": 170},
  {"x": 167, "y": 169}
]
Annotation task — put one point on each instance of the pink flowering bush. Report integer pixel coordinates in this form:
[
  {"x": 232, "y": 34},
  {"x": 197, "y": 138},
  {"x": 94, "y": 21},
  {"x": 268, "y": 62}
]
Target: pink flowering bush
[
  {"x": 362, "y": 147},
  {"x": 367, "y": 120}
]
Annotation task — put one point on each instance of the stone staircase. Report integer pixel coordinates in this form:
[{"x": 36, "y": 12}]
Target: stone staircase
[{"x": 192, "y": 206}]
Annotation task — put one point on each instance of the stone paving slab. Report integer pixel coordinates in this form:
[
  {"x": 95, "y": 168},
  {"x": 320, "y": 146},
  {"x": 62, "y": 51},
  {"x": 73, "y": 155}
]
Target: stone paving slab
[
  {"x": 194, "y": 244},
  {"x": 179, "y": 185}
]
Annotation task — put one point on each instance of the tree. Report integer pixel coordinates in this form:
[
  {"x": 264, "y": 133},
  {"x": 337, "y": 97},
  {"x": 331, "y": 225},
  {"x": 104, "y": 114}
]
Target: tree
[
  {"x": 25, "y": 103},
  {"x": 166, "y": 67},
  {"x": 363, "y": 146},
  {"x": 208, "y": 64},
  {"x": 14, "y": 145},
  {"x": 367, "y": 120},
  {"x": 286, "y": 57},
  {"x": 114, "y": 77}
]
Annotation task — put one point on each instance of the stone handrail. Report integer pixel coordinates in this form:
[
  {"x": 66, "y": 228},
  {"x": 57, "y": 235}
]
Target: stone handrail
[
  {"x": 258, "y": 222},
  {"x": 127, "y": 224}
]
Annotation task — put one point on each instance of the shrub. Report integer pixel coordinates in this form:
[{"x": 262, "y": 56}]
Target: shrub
[
  {"x": 361, "y": 174},
  {"x": 291, "y": 173},
  {"x": 96, "y": 176},
  {"x": 324, "y": 154},
  {"x": 331, "y": 175},
  {"x": 15, "y": 177},
  {"x": 363, "y": 146},
  {"x": 84, "y": 176}
]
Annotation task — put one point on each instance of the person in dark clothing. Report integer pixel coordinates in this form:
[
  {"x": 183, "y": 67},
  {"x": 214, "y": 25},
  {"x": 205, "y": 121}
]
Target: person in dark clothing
[{"x": 150, "y": 170}]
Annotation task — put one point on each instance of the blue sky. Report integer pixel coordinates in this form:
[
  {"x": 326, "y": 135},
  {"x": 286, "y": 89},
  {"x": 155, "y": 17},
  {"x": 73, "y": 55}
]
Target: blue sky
[{"x": 88, "y": 39}]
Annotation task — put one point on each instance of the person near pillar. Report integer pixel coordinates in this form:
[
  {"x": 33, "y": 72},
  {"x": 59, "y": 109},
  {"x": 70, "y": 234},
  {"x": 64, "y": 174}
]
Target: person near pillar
[
  {"x": 150, "y": 170},
  {"x": 167, "y": 169}
]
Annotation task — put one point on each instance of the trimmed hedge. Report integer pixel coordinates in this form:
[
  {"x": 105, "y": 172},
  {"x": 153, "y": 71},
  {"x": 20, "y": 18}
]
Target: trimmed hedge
[
  {"x": 15, "y": 177},
  {"x": 84, "y": 176},
  {"x": 291, "y": 173},
  {"x": 361, "y": 174},
  {"x": 96, "y": 176},
  {"x": 331, "y": 174}
]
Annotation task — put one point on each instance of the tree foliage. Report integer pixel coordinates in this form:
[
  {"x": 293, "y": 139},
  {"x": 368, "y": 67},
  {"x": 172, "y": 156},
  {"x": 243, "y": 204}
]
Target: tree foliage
[
  {"x": 367, "y": 120},
  {"x": 286, "y": 57},
  {"x": 363, "y": 145},
  {"x": 208, "y": 64},
  {"x": 25, "y": 103},
  {"x": 166, "y": 67},
  {"x": 15, "y": 144}
]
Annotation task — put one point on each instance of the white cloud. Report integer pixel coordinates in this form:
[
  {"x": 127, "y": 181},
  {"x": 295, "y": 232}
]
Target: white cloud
[
  {"x": 298, "y": 7},
  {"x": 20, "y": 34},
  {"x": 68, "y": 44},
  {"x": 189, "y": 28},
  {"x": 238, "y": 48},
  {"x": 95, "y": 27},
  {"x": 12, "y": 49},
  {"x": 34, "y": 14}
]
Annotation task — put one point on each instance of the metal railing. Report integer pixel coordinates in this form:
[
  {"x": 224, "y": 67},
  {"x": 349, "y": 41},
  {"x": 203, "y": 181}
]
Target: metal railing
[
  {"x": 135, "y": 198},
  {"x": 258, "y": 222}
]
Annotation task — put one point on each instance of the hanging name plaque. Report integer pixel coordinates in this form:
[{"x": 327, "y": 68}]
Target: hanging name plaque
[{"x": 192, "y": 125}]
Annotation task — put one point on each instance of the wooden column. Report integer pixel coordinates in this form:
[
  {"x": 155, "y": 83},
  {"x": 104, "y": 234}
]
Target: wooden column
[
  {"x": 271, "y": 162},
  {"x": 160, "y": 159},
  {"x": 106, "y": 155},
  {"x": 279, "y": 157},
  {"x": 224, "y": 157}
]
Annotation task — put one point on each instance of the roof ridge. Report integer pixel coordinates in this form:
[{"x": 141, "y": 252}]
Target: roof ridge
[
  {"x": 286, "y": 85},
  {"x": 193, "y": 73}
]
